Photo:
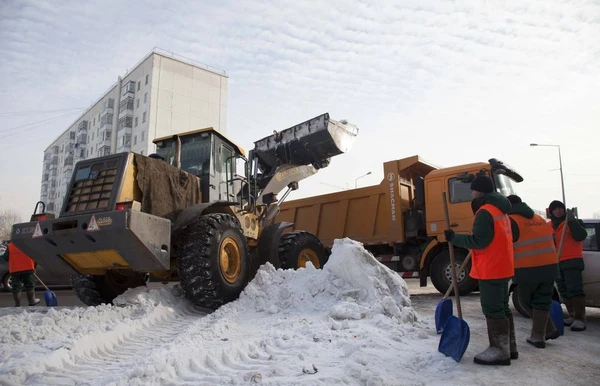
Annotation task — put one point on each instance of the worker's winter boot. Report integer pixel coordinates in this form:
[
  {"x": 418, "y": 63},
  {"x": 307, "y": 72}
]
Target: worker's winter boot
[
  {"x": 538, "y": 328},
  {"x": 578, "y": 314},
  {"x": 17, "y": 298},
  {"x": 551, "y": 330},
  {"x": 499, "y": 351},
  {"x": 514, "y": 354},
  {"x": 32, "y": 299},
  {"x": 569, "y": 304}
]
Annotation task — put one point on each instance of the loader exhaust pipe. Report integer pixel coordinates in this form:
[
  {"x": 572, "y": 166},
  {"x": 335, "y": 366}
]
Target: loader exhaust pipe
[{"x": 177, "y": 160}]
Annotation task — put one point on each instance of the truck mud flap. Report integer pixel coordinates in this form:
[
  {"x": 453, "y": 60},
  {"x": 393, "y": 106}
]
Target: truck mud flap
[{"x": 93, "y": 243}]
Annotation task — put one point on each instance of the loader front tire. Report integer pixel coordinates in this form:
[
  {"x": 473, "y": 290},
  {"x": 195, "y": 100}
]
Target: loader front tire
[
  {"x": 213, "y": 260},
  {"x": 299, "y": 247},
  {"x": 98, "y": 289},
  {"x": 441, "y": 273}
]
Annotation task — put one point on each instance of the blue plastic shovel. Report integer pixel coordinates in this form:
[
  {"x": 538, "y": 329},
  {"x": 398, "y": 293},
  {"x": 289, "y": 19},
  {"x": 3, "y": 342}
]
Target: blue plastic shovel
[
  {"x": 49, "y": 296},
  {"x": 556, "y": 314},
  {"x": 456, "y": 335},
  {"x": 444, "y": 307}
]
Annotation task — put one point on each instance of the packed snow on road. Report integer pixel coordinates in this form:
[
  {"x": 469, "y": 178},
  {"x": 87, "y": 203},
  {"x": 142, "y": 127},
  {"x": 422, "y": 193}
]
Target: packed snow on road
[{"x": 351, "y": 323}]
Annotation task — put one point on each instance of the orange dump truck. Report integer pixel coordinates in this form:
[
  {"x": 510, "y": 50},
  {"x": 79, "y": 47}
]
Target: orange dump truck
[{"x": 401, "y": 220}]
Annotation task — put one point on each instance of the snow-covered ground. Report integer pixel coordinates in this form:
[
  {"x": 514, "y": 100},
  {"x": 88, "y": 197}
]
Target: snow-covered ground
[{"x": 351, "y": 323}]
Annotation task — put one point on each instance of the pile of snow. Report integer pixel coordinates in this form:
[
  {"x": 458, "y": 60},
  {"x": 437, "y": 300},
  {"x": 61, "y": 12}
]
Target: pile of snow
[
  {"x": 352, "y": 321},
  {"x": 352, "y": 285}
]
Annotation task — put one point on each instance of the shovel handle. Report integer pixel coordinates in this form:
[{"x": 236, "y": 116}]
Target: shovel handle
[
  {"x": 40, "y": 280},
  {"x": 462, "y": 268},
  {"x": 452, "y": 259}
]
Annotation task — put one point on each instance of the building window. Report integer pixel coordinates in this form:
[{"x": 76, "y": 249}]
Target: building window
[
  {"x": 94, "y": 121},
  {"x": 92, "y": 135},
  {"x": 147, "y": 76},
  {"x": 136, "y": 121},
  {"x": 134, "y": 140},
  {"x": 143, "y": 135},
  {"x": 145, "y": 98},
  {"x": 139, "y": 84},
  {"x": 137, "y": 103},
  {"x": 144, "y": 117}
]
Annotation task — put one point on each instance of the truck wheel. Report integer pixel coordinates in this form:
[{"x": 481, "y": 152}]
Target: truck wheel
[
  {"x": 298, "y": 247},
  {"x": 441, "y": 273},
  {"x": 95, "y": 290},
  {"x": 7, "y": 282},
  {"x": 517, "y": 302},
  {"x": 213, "y": 260}
]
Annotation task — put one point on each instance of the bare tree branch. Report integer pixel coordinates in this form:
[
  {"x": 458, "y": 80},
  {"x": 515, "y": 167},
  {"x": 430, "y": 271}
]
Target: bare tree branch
[{"x": 8, "y": 217}]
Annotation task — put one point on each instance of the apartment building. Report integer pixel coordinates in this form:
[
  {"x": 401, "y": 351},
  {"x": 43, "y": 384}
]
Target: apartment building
[{"x": 163, "y": 94}]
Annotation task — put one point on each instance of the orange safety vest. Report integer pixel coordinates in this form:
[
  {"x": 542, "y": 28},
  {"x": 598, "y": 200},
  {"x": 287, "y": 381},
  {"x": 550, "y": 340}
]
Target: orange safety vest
[
  {"x": 535, "y": 247},
  {"x": 571, "y": 249},
  {"x": 18, "y": 261},
  {"x": 496, "y": 261}
]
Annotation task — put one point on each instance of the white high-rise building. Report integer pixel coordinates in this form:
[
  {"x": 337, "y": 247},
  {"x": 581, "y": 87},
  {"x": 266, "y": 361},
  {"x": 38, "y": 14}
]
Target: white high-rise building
[{"x": 163, "y": 94}]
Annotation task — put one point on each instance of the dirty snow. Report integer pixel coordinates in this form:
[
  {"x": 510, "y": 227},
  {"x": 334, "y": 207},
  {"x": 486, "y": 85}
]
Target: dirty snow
[{"x": 351, "y": 323}]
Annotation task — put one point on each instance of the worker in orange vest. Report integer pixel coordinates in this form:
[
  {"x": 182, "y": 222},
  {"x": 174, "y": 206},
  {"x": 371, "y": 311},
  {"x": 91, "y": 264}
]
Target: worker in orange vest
[
  {"x": 536, "y": 268},
  {"x": 493, "y": 265},
  {"x": 570, "y": 282},
  {"x": 21, "y": 267}
]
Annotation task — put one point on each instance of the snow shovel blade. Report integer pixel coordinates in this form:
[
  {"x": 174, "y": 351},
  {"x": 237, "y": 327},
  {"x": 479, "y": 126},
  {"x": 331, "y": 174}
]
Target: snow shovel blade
[
  {"x": 50, "y": 299},
  {"x": 442, "y": 312},
  {"x": 455, "y": 338},
  {"x": 556, "y": 314}
]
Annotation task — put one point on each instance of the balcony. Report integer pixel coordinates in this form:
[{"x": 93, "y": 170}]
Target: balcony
[
  {"x": 82, "y": 126},
  {"x": 68, "y": 161},
  {"x": 128, "y": 89},
  {"x": 126, "y": 104},
  {"x": 124, "y": 142},
  {"x": 103, "y": 150},
  {"x": 125, "y": 122},
  {"x": 47, "y": 156},
  {"x": 81, "y": 139},
  {"x": 54, "y": 149}
]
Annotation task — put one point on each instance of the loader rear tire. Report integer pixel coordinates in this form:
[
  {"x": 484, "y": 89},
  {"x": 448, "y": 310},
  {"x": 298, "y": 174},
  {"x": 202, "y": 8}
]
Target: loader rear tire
[
  {"x": 98, "y": 289},
  {"x": 298, "y": 247},
  {"x": 441, "y": 275},
  {"x": 213, "y": 260}
]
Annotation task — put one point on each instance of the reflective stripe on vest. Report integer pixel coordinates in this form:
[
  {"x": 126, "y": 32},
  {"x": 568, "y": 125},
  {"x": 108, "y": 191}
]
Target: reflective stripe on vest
[
  {"x": 571, "y": 249},
  {"x": 18, "y": 261},
  {"x": 535, "y": 247},
  {"x": 496, "y": 261}
]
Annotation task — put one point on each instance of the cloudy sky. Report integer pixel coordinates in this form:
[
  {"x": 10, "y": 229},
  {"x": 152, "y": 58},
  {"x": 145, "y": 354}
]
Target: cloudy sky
[{"x": 452, "y": 81}]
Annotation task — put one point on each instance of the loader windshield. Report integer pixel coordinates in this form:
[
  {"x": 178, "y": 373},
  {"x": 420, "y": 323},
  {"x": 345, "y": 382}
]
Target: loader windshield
[{"x": 195, "y": 153}]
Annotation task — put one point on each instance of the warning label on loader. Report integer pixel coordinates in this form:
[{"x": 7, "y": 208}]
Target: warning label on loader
[
  {"x": 93, "y": 225},
  {"x": 37, "y": 232}
]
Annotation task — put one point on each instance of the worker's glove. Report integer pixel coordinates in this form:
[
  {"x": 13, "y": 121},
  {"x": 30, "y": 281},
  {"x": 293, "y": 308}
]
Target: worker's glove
[
  {"x": 570, "y": 215},
  {"x": 449, "y": 233}
]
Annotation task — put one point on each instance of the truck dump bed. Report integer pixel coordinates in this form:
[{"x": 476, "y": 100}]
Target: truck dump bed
[{"x": 371, "y": 215}]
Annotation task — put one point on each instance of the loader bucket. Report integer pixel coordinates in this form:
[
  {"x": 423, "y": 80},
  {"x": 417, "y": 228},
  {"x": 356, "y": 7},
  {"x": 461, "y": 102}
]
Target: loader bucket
[{"x": 312, "y": 142}]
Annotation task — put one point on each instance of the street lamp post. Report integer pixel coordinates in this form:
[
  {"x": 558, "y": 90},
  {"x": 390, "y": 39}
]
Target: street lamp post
[
  {"x": 358, "y": 178},
  {"x": 562, "y": 181}
]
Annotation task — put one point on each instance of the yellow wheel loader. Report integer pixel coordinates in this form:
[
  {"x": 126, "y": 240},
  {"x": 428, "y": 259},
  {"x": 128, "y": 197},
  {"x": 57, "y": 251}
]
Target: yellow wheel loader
[{"x": 198, "y": 211}]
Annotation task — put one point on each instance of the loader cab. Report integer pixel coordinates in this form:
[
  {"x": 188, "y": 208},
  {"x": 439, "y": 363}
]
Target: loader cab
[
  {"x": 456, "y": 181},
  {"x": 210, "y": 156}
]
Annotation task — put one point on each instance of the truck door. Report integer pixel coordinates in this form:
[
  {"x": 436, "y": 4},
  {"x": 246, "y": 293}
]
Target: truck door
[{"x": 459, "y": 204}]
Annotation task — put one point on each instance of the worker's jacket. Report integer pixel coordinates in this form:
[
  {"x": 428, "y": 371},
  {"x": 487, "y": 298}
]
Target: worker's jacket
[
  {"x": 496, "y": 260},
  {"x": 535, "y": 247},
  {"x": 19, "y": 261},
  {"x": 571, "y": 249}
]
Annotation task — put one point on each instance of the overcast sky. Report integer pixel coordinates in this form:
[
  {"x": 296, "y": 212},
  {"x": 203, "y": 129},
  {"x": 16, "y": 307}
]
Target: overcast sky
[{"x": 452, "y": 81}]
